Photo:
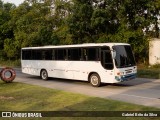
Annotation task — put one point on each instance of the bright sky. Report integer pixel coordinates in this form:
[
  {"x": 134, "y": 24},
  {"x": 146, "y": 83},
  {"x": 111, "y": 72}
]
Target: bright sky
[{"x": 16, "y": 2}]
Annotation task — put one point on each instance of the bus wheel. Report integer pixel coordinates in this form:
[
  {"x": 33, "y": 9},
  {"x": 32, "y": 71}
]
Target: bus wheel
[
  {"x": 44, "y": 74},
  {"x": 95, "y": 80}
]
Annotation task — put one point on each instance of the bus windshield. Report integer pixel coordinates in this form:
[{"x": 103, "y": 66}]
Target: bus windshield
[{"x": 124, "y": 56}]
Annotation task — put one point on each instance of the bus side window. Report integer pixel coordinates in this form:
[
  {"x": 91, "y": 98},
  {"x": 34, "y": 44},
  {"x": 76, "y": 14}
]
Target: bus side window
[
  {"x": 85, "y": 57},
  {"x": 26, "y": 54},
  {"x": 65, "y": 54},
  {"x": 74, "y": 54},
  {"x": 92, "y": 54},
  {"x": 39, "y": 55},
  {"x": 48, "y": 54},
  {"x": 69, "y": 54},
  {"x": 60, "y": 54},
  {"x": 53, "y": 54},
  {"x": 43, "y": 55},
  {"x": 36, "y": 55}
]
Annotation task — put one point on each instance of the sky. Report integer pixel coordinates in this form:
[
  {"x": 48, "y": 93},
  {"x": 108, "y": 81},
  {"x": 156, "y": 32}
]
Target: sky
[{"x": 16, "y": 2}]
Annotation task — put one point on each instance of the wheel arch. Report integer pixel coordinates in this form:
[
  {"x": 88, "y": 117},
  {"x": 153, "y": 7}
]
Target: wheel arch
[
  {"x": 91, "y": 74},
  {"x": 42, "y": 69}
]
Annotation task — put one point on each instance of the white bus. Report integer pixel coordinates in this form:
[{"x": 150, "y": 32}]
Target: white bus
[{"x": 94, "y": 62}]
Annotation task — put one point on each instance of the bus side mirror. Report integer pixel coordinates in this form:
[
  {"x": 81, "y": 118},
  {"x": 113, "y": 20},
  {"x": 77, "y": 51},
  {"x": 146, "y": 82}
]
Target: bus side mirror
[{"x": 114, "y": 54}]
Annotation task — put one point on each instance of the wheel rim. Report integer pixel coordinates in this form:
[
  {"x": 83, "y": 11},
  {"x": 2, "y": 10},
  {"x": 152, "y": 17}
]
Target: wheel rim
[
  {"x": 94, "y": 80},
  {"x": 44, "y": 75}
]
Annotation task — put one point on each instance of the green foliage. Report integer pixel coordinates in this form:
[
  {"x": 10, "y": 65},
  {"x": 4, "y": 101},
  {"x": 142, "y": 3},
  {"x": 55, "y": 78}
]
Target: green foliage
[
  {"x": 6, "y": 31},
  {"x": 10, "y": 63},
  {"x": 79, "y": 22},
  {"x": 35, "y": 23},
  {"x": 156, "y": 66},
  {"x": 9, "y": 48},
  {"x": 152, "y": 71}
]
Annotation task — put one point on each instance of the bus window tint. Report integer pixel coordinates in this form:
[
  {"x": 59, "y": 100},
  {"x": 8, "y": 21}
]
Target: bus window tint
[
  {"x": 53, "y": 54},
  {"x": 48, "y": 54},
  {"x": 26, "y": 54},
  {"x": 124, "y": 56},
  {"x": 74, "y": 54},
  {"x": 36, "y": 55},
  {"x": 106, "y": 58},
  {"x": 60, "y": 54},
  {"x": 90, "y": 54}
]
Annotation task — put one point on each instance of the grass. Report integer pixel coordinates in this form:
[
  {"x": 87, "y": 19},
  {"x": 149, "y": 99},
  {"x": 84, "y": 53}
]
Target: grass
[
  {"x": 10, "y": 63},
  {"x": 23, "y": 97},
  {"x": 149, "y": 72}
]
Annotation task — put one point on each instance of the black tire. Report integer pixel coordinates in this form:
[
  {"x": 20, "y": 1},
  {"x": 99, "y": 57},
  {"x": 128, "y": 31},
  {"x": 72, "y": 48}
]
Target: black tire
[
  {"x": 95, "y": 80},
  {"x": 44, "y": 75}
]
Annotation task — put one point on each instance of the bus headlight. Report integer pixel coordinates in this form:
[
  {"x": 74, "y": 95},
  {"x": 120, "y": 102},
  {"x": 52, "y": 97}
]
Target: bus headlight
[{"x": 120, "y": 73}]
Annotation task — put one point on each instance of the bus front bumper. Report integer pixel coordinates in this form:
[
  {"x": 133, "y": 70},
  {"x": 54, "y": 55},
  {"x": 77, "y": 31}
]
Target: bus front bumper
[{"x": 126, "y": 77}]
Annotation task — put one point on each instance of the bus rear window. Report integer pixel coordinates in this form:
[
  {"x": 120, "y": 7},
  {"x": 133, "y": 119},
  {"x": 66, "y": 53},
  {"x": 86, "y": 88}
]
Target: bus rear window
[{"x": 26, "y": 54}]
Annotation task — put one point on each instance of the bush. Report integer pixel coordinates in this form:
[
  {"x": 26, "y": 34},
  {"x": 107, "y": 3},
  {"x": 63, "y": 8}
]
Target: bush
[{"x": 10, "y": 63}]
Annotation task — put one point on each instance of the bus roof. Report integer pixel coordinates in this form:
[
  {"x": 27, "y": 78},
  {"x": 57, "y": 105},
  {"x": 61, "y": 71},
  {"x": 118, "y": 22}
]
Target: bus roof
[{"x": 76, "y": 45}]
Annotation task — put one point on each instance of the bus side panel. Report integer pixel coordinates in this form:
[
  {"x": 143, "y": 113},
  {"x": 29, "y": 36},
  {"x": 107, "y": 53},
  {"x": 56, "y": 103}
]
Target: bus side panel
[
  {"x": 30, "y": 67},
  {"x": 60, "y": 69},
  {"x": 107, "y": 76},
  {"x": 84, "y": 68},
  {"x": 78, "y": 70}
]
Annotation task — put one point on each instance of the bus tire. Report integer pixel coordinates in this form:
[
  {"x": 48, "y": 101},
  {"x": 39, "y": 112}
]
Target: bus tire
[
  {"x": 95, "y": 80},
  {"x": 10, "y": 78},
  {"x": 44, "y": 74}
]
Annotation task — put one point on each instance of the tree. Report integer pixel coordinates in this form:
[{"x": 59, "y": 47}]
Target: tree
[
  {"x": 52, "y": 22},
  {"x": 33, "y": 25},
  {"x": 79, "y": 21},
  {"x": 6, "y": 31}
]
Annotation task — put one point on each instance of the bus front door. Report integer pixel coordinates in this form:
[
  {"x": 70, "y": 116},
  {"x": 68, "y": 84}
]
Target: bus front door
[
  {"x": 106, "y": 59},
  {"x": 107, "y": 63}
]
